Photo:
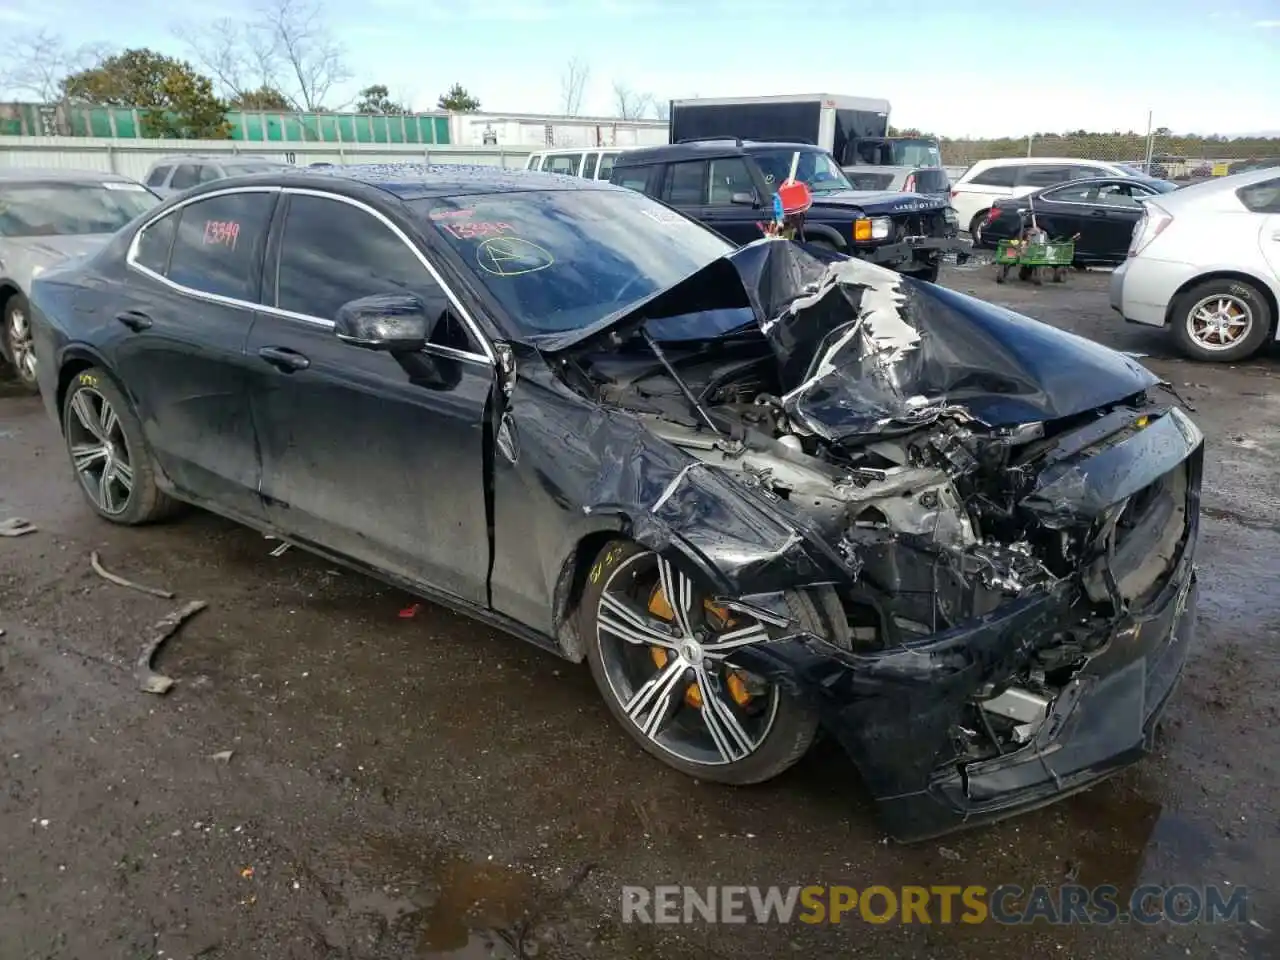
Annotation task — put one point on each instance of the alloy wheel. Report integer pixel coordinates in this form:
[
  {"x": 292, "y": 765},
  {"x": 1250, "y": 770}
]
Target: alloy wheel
[
  {"x": 100, "y": 451},
  {"x": 21, "y": 348},
  {"x": 668, "y": 657},
  {"x": 1219, "y": 322}
]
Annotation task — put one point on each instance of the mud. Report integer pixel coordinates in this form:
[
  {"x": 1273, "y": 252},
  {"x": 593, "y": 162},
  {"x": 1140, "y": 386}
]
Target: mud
[{"x": 423, "y": 787}]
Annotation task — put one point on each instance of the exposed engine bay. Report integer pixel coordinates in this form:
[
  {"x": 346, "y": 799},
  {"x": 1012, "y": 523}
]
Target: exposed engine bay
[{"x": 939, "y": 516}]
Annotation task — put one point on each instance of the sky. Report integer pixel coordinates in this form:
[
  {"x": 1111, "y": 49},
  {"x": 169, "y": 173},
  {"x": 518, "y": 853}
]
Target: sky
[{"x": 951, "y": 67}]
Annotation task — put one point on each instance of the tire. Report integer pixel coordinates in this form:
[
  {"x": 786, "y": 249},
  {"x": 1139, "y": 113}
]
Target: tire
[
  {"x": 16, "y": 329},
  {"x": 975, "y": 227},
  {"x": 781, "y": 735},
  {"x": 99, "y": 444},
  {"x": 1242, "y": 299}
]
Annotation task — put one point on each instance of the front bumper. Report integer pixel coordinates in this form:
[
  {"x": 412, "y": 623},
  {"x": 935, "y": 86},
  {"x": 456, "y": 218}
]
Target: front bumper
[
  {"x": 896, "y": 711},
  {"x": 906, "y": 252}
]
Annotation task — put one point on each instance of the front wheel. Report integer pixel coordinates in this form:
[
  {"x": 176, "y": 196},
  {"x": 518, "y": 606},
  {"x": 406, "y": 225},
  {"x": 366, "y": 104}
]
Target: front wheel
[
  {"x": 16, "y": 328},
  {"x": 109, "y": 453},
  {"x": 1221, "y": 320},
  {"x": 666, "y": 660}
]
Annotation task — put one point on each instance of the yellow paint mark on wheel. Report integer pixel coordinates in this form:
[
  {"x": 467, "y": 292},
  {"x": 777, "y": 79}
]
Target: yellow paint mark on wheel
[{"x": 88, "y": 379}]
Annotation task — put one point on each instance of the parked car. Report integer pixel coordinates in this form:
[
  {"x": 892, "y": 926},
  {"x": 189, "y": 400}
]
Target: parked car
[
  {"x": 1101, "y": 212},
  {"x": 175, "y": 174},
  {"x": 594, "y": 164},
  {"x": 988, "y": 181},
  {"x": 1205, "y": 262},
  {"x": 757, "y": 491},
  {"x": 728, "y": 184},
  {"x": 47, "y": 216}
]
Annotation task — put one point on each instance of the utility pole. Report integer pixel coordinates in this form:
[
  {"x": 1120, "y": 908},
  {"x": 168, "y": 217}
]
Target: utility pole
[{"x": 1147, "y": 169}]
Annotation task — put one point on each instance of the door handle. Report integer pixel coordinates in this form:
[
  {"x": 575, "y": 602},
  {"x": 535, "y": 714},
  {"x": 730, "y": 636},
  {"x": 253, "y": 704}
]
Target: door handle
[
  {"x": 282, "y": 358},
  {"x": 1098, "y": 213},
  {"x": 135, "y": 320}
]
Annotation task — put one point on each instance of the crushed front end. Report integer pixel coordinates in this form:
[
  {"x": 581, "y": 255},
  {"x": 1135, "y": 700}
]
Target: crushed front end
[{"x": 997, "y": 519}]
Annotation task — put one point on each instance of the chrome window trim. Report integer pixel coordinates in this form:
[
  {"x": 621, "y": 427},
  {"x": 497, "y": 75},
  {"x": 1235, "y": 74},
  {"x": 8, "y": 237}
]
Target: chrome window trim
[
  {"x": 487, "y": 357},
  {"x": 1093, "y": 203}
]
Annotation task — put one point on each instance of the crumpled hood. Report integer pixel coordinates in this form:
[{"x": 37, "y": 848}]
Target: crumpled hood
[{"x": 861, "y": 348}]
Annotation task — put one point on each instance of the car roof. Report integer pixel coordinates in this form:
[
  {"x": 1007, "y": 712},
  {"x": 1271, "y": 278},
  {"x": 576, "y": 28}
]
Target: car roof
[
  {"x": 709, "y": 147},
  {"x": 418, "y": 181},
  {"x": 231, "y": 160},
  {"x": 1209, "y": 191},
  {"x": 1037, "y": 161},
  {"x": 59, "y": 175}
]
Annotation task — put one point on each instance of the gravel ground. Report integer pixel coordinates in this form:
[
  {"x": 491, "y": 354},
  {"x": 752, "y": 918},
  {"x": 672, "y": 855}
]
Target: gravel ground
[{"x": 424, "y": 787}]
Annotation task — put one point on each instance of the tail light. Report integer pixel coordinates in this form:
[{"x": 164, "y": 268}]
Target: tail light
[
  {"x": 1154, "y": 220},
  {"x": 909, "y": 185},
  {"x": 993, "y": 214},
  {"x": 954, "y": 193}
]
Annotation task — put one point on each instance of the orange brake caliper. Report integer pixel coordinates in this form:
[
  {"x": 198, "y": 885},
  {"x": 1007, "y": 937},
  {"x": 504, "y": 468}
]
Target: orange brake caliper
[{"x": 720, "y": 619}]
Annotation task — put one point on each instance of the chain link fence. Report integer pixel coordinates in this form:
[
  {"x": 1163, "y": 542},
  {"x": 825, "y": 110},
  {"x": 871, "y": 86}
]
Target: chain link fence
[{"x": 1164, "y": 153}]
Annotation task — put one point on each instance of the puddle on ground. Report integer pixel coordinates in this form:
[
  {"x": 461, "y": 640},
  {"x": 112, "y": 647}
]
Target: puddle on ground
[
  {"x": 485, "y": 945},
  {"x": 448, "y": 908}
]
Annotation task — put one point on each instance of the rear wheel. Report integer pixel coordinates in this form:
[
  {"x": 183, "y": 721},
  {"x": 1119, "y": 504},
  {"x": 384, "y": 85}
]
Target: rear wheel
[
  {"x": 109, "y": 453},
  {"x": 664, "y": 657},
  {"x": 18, "y": 343},
  {"x": 1221, "y": 320},
  {"x": 975, "y": 227}
]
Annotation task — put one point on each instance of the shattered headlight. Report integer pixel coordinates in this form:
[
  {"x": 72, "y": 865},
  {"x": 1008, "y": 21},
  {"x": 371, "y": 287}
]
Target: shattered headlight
[{"x": 873, "y": 228}]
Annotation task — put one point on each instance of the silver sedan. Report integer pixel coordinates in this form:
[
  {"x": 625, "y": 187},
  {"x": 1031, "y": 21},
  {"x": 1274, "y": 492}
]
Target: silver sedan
[{"x": 48, "y": 217}]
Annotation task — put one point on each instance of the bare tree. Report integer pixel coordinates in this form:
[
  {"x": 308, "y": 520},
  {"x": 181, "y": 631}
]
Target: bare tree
[
  {"x": 241, "y": 58},
  {"x": 287, "y": 47},
  {"x": 573, "y": 84},
  {"x": 36, "y": 63},
  {"x": 662, "y": 109},
  {"x": 630, "y": 104},
  {"x": 312, "y": 58}
]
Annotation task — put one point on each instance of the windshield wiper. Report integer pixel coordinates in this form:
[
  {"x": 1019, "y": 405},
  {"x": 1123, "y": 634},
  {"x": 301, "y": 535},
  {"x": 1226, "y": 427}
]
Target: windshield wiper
[{"x": 694, "y": 404}]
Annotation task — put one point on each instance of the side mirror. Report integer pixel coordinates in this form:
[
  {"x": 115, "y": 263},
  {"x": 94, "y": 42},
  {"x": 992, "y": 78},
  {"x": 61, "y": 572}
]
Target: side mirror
[
  {"x": 390, "y": 322},
  {"x": 743, "y": 199}
]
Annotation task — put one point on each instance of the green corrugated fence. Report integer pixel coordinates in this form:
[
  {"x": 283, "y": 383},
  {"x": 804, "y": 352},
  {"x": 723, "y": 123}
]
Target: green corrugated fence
[{"x": 69, "y": 120}]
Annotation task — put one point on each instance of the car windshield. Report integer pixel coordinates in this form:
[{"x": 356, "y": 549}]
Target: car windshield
[
  {"x": 817, "y": 169},
  {"x": 559, "y": 260},
  {"x": 67, "y": 209},
  {"x": 244, "y": 169},
  {"x": 916, "y": 153}
]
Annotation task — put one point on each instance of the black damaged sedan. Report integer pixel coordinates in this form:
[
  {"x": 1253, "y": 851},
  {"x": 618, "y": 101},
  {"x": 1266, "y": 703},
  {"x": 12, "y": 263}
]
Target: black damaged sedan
[{"x": 763, "y": 492}]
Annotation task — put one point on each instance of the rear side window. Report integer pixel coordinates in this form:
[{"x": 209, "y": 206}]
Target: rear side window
[
  {"x": 633, "y": 178},
  {"x": 218, "y": 243},
  {"x": 1261, "y": 197},
  {"x": 531, "y": 162},
  {"x": 209, "y": 172},
  {"x": 157, "y": 176},
  {"x": 589, "y": 166},
  {"x": 1044, "y": 175},
  {"x": 684, "y": 186},
  {"x": 996, "y": 177},
  {"x": 187, "y": 175},
  {"x": 606, "y": 165},
  {"x": 155, "y": 242}
]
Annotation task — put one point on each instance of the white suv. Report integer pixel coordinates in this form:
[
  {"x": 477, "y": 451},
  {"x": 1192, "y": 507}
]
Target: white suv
[
  {"x": 1205, "y": 261},
  {"x": 990, "y": 180}
]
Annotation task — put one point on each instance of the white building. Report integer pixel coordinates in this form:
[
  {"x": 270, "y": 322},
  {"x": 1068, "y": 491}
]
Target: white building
[{"x": 533, "y": 131}]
